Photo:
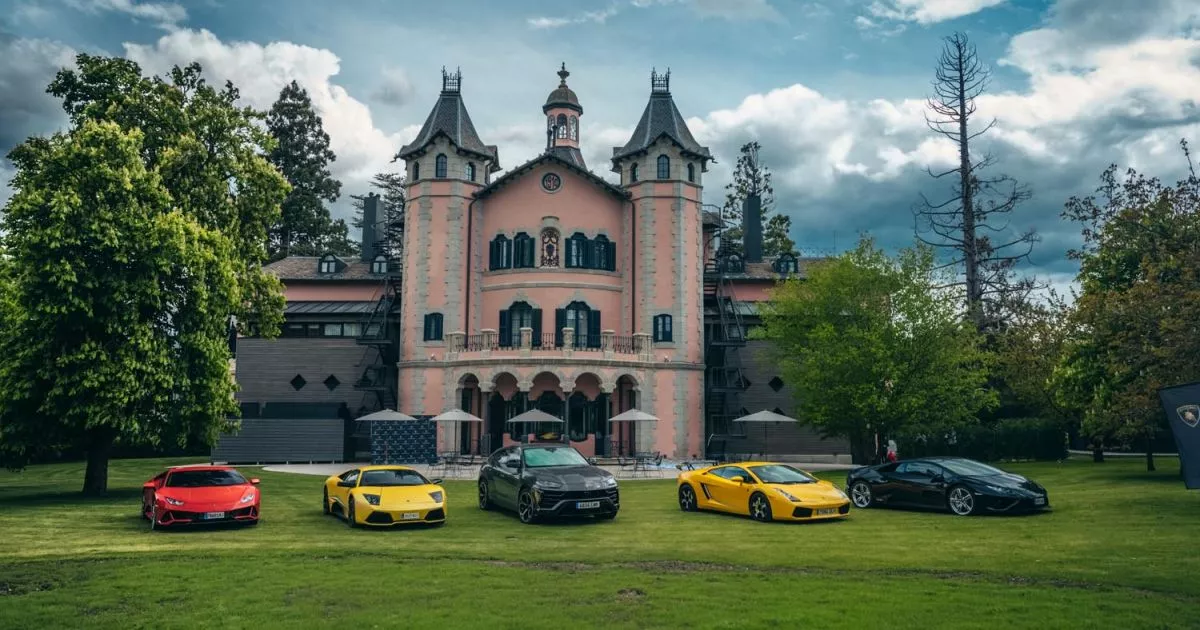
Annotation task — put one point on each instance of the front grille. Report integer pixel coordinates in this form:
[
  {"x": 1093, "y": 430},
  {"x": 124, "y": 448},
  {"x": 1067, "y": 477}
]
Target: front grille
[
  {"x": 436, "y": 515},
  {"x": 801, "y": 512},
  {"x": 379, "y": 518}
]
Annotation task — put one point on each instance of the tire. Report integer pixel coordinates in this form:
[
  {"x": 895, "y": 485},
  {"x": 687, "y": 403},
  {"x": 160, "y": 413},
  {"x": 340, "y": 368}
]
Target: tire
[
  {"x": 526, "y": 511},
  {"x": 350, "y": 515},
  {"x": 485, "y": 499},
  {"x": 687, "y": 499},
  {"x": 145, "y": 510},
  {"x": 960, "y": 501},
  {"x": 760, "y": 508},
  {"x": 153, "y": 518},
  {"x": 325, "y": 502},
  {"x": 861, "y": 495}
]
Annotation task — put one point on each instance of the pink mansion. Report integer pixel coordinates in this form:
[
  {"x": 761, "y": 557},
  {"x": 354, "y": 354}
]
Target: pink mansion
[{"x": 546, "y": 287}]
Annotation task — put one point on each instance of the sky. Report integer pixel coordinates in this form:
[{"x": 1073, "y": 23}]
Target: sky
[{"x": 834, "y": 90}]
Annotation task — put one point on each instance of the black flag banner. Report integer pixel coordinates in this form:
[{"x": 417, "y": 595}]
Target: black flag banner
[{"x": 1181, "y": 403}]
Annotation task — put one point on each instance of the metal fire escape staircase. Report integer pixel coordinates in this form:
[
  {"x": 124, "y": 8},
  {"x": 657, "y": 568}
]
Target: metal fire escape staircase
[
  {"x": 724, "y": 337},
  {"x": 379, "y": 332}
]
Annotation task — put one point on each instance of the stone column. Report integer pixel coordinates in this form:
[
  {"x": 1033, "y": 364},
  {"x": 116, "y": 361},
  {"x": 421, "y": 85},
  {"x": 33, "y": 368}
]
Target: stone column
[
  {"x": 490, "y": 338},
  {"x": 607, "y": 337},
  {"x": 568, "y": 341},
  {"x": 454, "y": 344},
  {"x": 643, "y": 347},
  {"x": 526, "y": 341}
]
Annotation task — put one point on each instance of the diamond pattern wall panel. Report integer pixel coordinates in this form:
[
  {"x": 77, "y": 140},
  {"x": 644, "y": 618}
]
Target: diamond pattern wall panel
[{"x": 404, "y": 442}]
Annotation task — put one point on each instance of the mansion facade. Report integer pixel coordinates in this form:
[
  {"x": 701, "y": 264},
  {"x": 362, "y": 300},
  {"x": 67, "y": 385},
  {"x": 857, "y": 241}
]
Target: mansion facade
[{"x": 546, "y": 287}]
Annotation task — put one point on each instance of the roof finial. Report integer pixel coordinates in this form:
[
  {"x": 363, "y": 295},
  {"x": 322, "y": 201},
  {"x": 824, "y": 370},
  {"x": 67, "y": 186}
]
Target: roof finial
[
  {"x": 451, "y": 82},
  {"x": 660, "y": 83},
  {"x": 562, "y": 75}
]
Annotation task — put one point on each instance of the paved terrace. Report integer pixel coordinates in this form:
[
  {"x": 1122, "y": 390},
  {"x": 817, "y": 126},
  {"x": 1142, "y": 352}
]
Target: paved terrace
[{"x": 666, "y": 470}]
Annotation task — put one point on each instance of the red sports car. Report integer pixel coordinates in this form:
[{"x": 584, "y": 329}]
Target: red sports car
[{"x": 200, "y": 495}]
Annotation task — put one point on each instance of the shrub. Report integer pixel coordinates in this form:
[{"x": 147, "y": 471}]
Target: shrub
[{"x": 1008, "y": 439}]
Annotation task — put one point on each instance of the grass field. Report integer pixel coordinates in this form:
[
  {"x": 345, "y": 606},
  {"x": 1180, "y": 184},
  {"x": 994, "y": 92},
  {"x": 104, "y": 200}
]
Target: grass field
[{"x": 1119, "y": 550}]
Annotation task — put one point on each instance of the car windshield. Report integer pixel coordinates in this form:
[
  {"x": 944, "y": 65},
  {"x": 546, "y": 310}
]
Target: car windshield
[
  {"x": 553, "y": 456},
  {"x": 198, "y": 478},
  {"x": 970, "y": 468},
  {"x": 777, "y": 473},
  {"x": 392, "y": 477}
]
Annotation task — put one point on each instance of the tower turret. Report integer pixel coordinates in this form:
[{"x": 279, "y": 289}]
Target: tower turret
[{"x": 562, "y": 110}]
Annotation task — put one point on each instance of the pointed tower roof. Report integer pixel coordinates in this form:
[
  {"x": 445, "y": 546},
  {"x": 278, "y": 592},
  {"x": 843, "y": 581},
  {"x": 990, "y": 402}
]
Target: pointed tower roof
[
  {"x": 661, "y": 118},
  {"x": 449, "y": 118}
]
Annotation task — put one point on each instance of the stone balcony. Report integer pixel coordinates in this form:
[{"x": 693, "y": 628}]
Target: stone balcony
[{"x": 489, "y": 344}]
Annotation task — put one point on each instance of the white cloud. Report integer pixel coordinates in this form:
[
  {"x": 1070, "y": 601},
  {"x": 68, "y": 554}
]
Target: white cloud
[
  {"x": 873, "y": 28},
  {"x": 725, "y": 9},
  {"x": 165, "y": 14},
  {"x": 928, "y": 11},
  {"x": 395, "y": 87},
  {"x": 597, "y": 17}
]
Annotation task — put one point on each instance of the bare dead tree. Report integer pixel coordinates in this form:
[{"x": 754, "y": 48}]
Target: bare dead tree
[{"x": 978, "y": 208}]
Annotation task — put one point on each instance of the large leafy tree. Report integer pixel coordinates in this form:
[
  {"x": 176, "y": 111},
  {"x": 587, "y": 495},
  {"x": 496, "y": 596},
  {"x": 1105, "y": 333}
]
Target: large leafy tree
[
  {"x": 303, "y": 155},
  {"x": 752, "y": 177},
  {"x": 391, "y": 208},
  {"x": 872, "y": 347},
  {"x": 1138, "y": 328},
  {"x": 132, "y": 240}
]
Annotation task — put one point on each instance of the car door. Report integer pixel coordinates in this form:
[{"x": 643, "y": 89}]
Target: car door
[
  {"x": 912, "y": 480},
  {"x": 929, "y": 486},
  {"x": 730, "y": 495},
  {"x": 340, "y": 492},
  {"x": 506, "y": 478}
]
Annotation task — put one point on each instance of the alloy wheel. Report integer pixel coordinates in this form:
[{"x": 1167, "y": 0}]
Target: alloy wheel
[
  {"x": 525, "y": 508},
  {"x": 860, "y": 494},
  {"x": 325, "y": 501},
  {"x": 350, "y": 514},
  {"x": 760, "y": 509},
  {"x": 687, "y": 499},
  {"x": 961, "y": 501},
  {"x": 484, "y": 502}
]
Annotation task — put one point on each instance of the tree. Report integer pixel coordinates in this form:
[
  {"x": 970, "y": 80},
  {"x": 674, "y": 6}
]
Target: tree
[
  {"x": 302, "y": 154},
  {"x": 133, "y": 237},
  {"x": 391, "y": 204},
  {"x": 752, "y": 177},
  {"x": 874, "y": 348},
  {"x": 965, "y": 222},
  {"x": 1138, "y": 329},
  {"x": 1028, "y": 350}
]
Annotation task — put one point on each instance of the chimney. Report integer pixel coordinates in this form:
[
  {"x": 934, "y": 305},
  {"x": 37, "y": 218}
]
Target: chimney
[
  {"x": 752, "y": 239},
  {"x": 370, "y": 220}
]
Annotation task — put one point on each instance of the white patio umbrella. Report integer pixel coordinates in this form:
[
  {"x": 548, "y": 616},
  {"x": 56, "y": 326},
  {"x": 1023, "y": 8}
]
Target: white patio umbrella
[
  {"x": 456, "y": 416},
  {"x": 633, "y": 415},
  {"x": 763, "y": 417},
  {"x": 535, "y": 416},
  {"x": 386, "y": 415}
]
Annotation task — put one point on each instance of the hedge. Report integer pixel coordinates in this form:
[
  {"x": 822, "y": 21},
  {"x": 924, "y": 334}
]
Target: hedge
[{"x": 1008, "y": 439}]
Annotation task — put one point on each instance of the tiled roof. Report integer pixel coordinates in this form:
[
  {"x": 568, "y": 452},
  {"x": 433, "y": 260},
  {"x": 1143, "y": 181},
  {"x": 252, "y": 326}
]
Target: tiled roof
[
  {"x": 552, "y": 156},
  {"x": 569, "y": 154},
  {"x": 661, "y": 118},
  {"x": 328, "y": 308},
  {"x": 305, "y": 268},
  {"x": 450, "y": 119}
]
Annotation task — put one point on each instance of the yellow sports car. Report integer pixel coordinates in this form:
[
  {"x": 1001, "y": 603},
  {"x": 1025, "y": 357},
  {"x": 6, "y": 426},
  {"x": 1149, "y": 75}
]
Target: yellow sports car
[
  {"x": 384, "y": 496},
  {"x": 764, "y": 491}
]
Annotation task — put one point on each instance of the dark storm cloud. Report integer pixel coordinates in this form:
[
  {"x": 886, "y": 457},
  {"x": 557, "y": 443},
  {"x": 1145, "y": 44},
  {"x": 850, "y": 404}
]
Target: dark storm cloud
[
  {"x": 1098, "y": 22},
  {"x": 25, "y": 107}
]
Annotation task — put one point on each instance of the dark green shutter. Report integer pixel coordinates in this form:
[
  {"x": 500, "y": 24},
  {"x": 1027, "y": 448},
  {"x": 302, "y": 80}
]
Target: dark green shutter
[
  {"x": 611, "y": 263},
  {"x": 589, "y": 255},
  {"x": 570, "y": 262},
  {"x": 505, "y": 329},
  {"x": 492, "y": 254},
  {"x": 594, "y": 329},
  {"x": 560, "y": 322},
  {"x": 528, "y": 252},
  {"x": 537, "y": 327}
]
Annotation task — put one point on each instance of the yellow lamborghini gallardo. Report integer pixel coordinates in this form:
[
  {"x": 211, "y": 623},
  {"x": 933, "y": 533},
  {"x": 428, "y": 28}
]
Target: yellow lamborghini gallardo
[
  {"x": 764, "y": 491},
  {"x": 384, "y": 496}
]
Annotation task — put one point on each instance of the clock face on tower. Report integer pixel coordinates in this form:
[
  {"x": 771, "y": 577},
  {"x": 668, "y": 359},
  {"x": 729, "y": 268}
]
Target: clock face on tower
[{"x": 551, "y": 182}]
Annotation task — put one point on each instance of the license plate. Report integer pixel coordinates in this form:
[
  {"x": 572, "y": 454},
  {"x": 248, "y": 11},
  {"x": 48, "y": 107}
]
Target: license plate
[
  {"x": 410, "y": 516},
  {"x": 1039, "y": 501},
  {"x": 587, "y": 505},
  {"x": 212, "y": 515},
  {"x": 824, "y": 511}
]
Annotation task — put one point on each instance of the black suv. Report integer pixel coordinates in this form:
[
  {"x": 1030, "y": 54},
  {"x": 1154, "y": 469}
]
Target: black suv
[{"x": 542, "y": 480}]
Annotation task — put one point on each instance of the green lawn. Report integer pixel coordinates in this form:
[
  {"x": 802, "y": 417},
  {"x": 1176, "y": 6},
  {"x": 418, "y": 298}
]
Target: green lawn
[{"x": 1119, "y": 550}]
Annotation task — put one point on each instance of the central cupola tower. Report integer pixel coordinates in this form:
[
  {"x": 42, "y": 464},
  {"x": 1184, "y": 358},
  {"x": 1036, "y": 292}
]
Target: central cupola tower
[{"x": 562, "y": 110}]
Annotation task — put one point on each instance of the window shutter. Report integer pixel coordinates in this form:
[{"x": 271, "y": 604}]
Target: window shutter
[
  {"x": 570, "y": 253},
  {"x": 537, "y": 327},
  {"x": 437, "y": 325},
  {"x": 668, "y": 334},
  {"x": 505, "y": 329},
  {"x": 492, "y": 254},
  {"x": 589, "y": 254},
  {"x": 560, "y": 322},
  {"x": 594, "y": 329},
  {"x": 611, "y": 263},
  {"x": 528, "y": 253},
  {"x": 425, "y": 329}
]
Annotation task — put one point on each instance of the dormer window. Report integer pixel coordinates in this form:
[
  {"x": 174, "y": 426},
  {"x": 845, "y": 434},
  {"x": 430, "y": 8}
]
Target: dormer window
[
  {"x": 786, "y": 263},
  {"x": 633, "y": 173},
  {"x": 664, "y": 167},
  {"x": 691, "y": 170},
  {"x": 439, "y": 166},
  {"x": 328, "y": 264},
  {"x": 471, "y": 171},
  {"x": 379, "y": 265},
  {"x": 416, "y": 171}
]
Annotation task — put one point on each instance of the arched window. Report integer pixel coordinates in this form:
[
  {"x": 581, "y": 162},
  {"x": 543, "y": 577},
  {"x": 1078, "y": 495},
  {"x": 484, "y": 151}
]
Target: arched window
[
  {"x": 328, "y": 264},
  {"x": 439, "y": 166},
  {"x": 691, "y": 172},
  {"x": 577, "y": 251},
  {"x": 664, "y": 167},
  {"x": 500, "y": 253},
  {"x": 514, "y": 318},
  {"x": 633, "y": 173},
  {"x": 603, "y": 254},
  {"x": 574, "y": 129},
  {"x": 550, "y": 248},
  {"x": 471, "y": 171},
  {"x": 733, "y": 264},
  {"x": 380, "y": 264},
  {"x": 562, "y": 125},
  {"x": 416, "y": 171},
  {"x": 580, "y": 317},
  {"x": 662, "y": 328},
  {"x": 786, "y": 263},
  {"x": 550, "y": 121},
  {"x": 433, "y": 327},
  {"x": 522, "y": 256}
]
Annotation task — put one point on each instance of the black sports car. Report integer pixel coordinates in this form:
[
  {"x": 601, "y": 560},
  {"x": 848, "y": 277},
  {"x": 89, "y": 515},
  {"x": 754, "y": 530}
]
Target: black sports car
[
  {"x": 538, "y": 481},
  {"x": 963, "y": 486}
]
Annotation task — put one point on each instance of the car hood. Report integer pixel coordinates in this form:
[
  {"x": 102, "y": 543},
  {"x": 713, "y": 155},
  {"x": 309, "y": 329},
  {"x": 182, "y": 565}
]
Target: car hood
[
  {"x": 1008, "y": 480},
  {"x": 575, "y": 477},
  {"x": 402, "y": 494},
  {"x": 810, "y": 491},
  {"x": 207, "y": 494}
]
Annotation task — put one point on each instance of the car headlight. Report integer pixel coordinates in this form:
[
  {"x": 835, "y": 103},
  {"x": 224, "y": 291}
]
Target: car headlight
[
  {"x": 610, "y": 482},
  {"x": 373, "y": 499},
  {"x": 248, "y": 498},
  {"x": 996, "y": 489},
  {"x": 787, "y": 495},
  {"x": 841, "y": 494},
  {"x": 173, "y": 501},
  {"x": 436, "y": 496},
  {"x": 549, "y": 484}
]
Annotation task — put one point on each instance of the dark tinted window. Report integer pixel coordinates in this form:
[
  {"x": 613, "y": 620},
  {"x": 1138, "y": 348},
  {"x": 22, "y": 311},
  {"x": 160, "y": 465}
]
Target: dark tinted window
[
  {"x": 729, "y": 472},
  {"x": 200, "y": 478},
  {"x": 392, "y": 477},
  {"x": 775, "y": 473},
  {"x": 553, "y": 456}
]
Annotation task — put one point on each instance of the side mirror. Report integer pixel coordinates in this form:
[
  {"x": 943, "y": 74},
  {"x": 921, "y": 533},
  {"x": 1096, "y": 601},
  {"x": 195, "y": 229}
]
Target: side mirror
[
  {"x": 512, "y": 464},
  {"x": 938, "y": 479},
  {"x": 345, "y": 484},
  {"x": 738, "y": 479},
  {"x": 435, "y": 482},
  {"x": 592, "y": 460},
  {"x": 254, "y": 481}
]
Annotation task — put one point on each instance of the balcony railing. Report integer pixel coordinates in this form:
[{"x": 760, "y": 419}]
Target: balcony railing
[{"x": 637, "y": 346}]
